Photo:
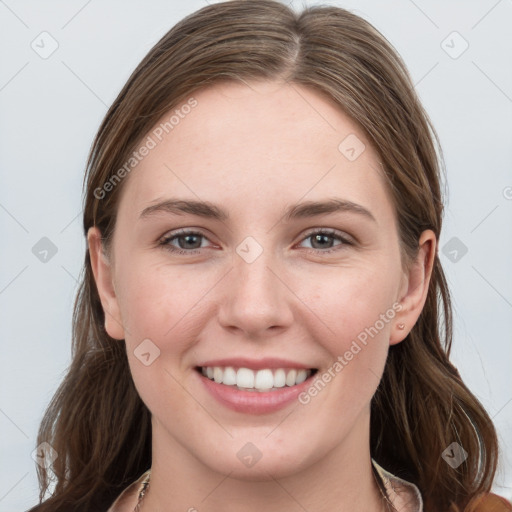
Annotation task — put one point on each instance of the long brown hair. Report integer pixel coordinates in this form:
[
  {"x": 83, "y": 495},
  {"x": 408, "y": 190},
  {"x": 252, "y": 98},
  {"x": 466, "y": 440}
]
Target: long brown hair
[{"x": 97, "y": 422}]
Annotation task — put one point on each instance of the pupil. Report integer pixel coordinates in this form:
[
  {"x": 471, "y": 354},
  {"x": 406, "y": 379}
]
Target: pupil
[
  {"x": 318, "y": 238},
  {"x": 187, "y": 240}
]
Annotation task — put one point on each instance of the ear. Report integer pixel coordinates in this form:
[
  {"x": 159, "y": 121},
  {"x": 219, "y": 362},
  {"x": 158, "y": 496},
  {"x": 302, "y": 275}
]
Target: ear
[
  {"x": 103, "y": 275},
  {"x": 414, "y": 289}
]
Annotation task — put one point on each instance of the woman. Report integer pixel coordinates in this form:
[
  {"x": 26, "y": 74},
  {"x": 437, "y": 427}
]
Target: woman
[{"x": 293, "y": 357}]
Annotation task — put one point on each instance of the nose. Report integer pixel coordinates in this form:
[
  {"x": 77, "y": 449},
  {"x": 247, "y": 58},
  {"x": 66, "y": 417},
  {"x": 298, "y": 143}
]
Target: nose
[{"x": 255, "y": 298}]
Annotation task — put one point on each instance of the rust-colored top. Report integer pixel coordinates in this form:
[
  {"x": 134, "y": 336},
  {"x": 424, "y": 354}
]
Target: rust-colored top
[{"x": 491, "y": 503}]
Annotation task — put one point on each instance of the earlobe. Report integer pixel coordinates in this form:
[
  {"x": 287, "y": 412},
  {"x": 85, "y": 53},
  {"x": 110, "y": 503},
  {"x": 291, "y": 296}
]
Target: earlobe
[
  {"x": 413, "y": 293},
  {"x": 103, "y": 276}
]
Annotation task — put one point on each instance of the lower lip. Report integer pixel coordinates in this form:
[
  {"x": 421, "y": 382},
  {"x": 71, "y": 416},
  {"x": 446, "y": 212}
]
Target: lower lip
[{"x": 254, "y": 402}]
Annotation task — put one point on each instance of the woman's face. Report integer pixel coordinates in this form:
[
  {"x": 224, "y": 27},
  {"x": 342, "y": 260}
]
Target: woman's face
[{"x": 261, "y": 277}]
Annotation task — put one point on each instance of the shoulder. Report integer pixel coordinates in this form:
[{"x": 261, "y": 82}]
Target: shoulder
[
  {"x": 396, "y": 486},
  {"x": 490, "y": 503},
  {"x": 128, "y": 499}
]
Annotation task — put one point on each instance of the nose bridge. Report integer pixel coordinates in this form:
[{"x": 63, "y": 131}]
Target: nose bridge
[
  {"x": 255, "y": 298},
  {"x": 255, "y": 277}
]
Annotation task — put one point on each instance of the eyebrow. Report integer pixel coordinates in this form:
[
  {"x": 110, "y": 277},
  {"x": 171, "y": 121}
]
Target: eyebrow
[{"x": 299, "y": 211}]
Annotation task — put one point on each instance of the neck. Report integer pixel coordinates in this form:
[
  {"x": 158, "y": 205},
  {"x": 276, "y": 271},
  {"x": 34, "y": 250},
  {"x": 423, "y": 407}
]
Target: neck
[{"x": 342, "y": 480}]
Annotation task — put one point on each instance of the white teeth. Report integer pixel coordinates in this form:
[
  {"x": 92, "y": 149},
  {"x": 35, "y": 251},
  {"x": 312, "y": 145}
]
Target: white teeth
[
  {"x": 218, "y": 374},
  {"x": 290, "y": 377},
  {"x": 244, "y": 377},
  {"x": 279, "y": 378},
  {"x": 260, "y": 380},
  {"x": 229, "y": 377},
  {"x": 301, "y": 376},
  {"x": 264, "y": 379}
]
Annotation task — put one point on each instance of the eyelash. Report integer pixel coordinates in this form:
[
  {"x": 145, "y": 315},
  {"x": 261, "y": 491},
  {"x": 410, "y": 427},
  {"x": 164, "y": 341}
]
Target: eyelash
[{"x": 165, "y": 241}]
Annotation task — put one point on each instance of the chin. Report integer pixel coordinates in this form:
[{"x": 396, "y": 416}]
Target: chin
[
  {"x": 259, "y": 462},
  {"x": 262, "y": 471}
]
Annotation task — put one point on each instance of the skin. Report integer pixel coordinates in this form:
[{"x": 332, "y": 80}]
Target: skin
[{"x": 253, "y": 150}]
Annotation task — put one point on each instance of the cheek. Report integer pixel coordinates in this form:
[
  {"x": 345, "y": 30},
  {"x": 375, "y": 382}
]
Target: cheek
[
  {"x": 357, "y": 300},
  {"x": 157, "y": 301},
  {"x": 359, "y": 312},
  {"x": 161, "y": 311}
]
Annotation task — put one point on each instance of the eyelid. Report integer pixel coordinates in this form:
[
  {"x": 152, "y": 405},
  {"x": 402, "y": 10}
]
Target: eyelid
[
  {"x": 330, "y": 231},
  {"x": 164, "y": 239},
  {"x": 182, "y": 231}
]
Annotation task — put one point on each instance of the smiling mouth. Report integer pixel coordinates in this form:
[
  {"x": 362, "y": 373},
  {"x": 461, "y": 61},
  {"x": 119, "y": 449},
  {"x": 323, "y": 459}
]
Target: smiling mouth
[{"x": 263, "y": 380}]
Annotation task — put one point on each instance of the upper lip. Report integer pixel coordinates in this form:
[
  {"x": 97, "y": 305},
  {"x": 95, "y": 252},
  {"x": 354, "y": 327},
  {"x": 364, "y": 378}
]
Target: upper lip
[{"x": 256, "y": 364}]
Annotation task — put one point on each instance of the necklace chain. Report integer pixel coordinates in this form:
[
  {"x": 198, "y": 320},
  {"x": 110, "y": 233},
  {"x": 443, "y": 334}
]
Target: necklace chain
[{"x": 388, "y": 505}]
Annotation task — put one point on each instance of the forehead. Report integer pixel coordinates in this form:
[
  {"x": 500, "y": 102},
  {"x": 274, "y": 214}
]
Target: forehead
[{"x": 257, "y": 145}]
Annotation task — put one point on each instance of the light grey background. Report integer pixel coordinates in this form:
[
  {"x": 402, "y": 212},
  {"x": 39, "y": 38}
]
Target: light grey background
[{"x": 51, "y": 108}]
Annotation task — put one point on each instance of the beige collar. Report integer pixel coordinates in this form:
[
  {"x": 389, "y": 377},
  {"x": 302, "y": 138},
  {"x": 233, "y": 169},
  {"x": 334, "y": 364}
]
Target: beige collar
[
  {"x": 404, "y": 495},
  {"x": 128, "y": 499}
]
